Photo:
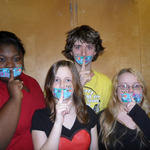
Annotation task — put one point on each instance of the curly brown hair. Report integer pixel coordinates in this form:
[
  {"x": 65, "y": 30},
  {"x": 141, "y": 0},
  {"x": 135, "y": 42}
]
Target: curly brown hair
[{"x": 85, "y": 34}]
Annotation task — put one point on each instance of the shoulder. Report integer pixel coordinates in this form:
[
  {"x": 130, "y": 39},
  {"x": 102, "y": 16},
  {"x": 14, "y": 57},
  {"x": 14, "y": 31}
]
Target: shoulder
[
  {"x": 30, "y": 82},
  {"x": 25, "y": 77},
  {"x": 41, "y": 121},
  {"x": 40, "y": 116},
  {"x": 101, "y": 76},
  {"x": 42, "y": 112}
]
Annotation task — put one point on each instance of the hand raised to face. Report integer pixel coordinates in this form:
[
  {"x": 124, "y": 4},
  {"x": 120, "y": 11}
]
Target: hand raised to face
[
  {"x": 85, "y": 75},
  {"x": 62, "y": 108},
  {"x": 14, "y": 88},
  {"x": 130, "y": 105},
  {"x": 83, "y": 65}
]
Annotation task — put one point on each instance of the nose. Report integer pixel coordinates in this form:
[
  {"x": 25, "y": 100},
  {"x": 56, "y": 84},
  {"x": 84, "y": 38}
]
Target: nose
[
  {"x": 83, "y": 51},
  {"x": 10, "y": 64},
  {"x": 62, "y": 84},
  {"x": 130, "y": 89}
]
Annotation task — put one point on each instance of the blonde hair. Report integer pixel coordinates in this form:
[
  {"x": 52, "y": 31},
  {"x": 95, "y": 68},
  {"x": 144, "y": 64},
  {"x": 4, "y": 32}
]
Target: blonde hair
[{"x": 108, "y": 117}]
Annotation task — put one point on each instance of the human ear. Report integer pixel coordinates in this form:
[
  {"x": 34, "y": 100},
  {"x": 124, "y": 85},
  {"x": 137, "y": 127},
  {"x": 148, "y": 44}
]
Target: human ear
[
  {"x": 95, "y": 53},
  {"x": 71, "y": 53}
]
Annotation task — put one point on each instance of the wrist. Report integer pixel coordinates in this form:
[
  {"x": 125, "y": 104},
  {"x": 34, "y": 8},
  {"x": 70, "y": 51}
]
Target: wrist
[
  {"x": 16, "y": 101},
  {"x": 57, "y": 124}
]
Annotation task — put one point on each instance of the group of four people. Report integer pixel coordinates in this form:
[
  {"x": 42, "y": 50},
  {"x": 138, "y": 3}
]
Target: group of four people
[{"x": 82, "y": 109}]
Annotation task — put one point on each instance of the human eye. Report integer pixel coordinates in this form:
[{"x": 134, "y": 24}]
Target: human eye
[
  {"x": 17, "y": 59},
  {"x": 56, "y": 80},
  {"x": 77, "y": 47},
  {"x": 68, "y": 80},
  {"x": 90, "y": 47},
  {"x": 137, "y": 86},
  {"x": 124, "y": 87},
  {"x": 2, "y": 59}
]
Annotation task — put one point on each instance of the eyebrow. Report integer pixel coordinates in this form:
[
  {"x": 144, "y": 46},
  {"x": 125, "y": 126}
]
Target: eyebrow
[
  {"x": 12, "y": 56},
  {"x": 77, "y": 44},
  {"x": 69, "y": 77},
  {"x": 64, "y": 78},
  {"x": 127, "y": 82}
]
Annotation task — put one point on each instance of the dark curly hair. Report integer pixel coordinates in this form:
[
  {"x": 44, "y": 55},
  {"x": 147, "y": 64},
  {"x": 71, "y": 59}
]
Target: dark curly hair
[{"x": 85, "y": 34}]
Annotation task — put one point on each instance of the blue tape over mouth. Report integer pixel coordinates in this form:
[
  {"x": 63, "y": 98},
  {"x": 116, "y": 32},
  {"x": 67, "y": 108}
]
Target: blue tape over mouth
[
  {"x": 79, "y": 59},
  {"x": 5, "y": 72},
  {"x": 126, "y": 97},
  {"x": 66, "y": 92}
]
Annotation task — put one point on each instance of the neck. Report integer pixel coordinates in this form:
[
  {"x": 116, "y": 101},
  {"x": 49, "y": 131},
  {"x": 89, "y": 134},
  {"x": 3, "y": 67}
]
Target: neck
[{"x": 72, "y": 108}]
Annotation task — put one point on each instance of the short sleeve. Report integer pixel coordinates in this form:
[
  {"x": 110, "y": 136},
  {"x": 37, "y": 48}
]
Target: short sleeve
[
  {"x": 36, "y": 121},
  {"x": 41, "y": 121}
]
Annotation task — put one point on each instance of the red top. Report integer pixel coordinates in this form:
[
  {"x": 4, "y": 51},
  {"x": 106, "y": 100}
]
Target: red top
[
  {"x": 31, "y": 101},
  {"x": 80, "y": 141}
]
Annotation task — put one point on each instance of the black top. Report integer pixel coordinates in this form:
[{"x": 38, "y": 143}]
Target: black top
[
  {"x": 41, "y": 121},
  {"x": 129, "y": 141}
]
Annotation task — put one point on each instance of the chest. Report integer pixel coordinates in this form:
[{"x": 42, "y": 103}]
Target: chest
[
  {"x": 69, "y": 121},
  {"x": 28, "y": 106}
]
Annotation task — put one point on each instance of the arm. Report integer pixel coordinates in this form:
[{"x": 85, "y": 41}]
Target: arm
[
  {"x": 10, "y": 112},
  {"x": 94, "y": 139},
  {"x": 140, "y": 117},
  {"x": 41, "y": 142}
]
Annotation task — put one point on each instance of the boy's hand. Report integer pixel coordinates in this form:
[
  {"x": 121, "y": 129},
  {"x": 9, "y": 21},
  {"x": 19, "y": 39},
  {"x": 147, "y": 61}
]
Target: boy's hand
[{"x": 84, "y": 74}]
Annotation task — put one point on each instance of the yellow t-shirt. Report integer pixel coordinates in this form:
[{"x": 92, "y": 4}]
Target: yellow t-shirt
[{"x": 97, "y": 91}]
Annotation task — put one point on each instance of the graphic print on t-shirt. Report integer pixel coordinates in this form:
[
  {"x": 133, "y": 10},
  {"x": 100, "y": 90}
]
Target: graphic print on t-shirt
[{"x": 92, "y": 99}]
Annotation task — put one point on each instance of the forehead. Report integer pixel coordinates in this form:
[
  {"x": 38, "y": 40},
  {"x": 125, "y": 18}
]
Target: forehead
[
  {"x": 127, "y": 78},
  {"x": 8, "y": 50},
  {"x": 79, "y": 42},
  {"x": 63, "y": 72}
]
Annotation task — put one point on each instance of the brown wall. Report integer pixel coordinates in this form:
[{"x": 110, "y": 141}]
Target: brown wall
[{"x": 124, "y": 26}]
